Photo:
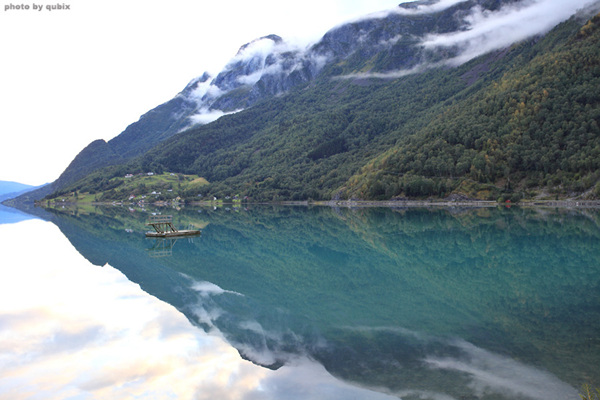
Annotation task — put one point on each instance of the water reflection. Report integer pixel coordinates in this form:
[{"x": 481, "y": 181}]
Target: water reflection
[
  {"x": 412, "y": 303},
  {"x": 10, "y": 215},
  {"x": 70, "y": 330}
]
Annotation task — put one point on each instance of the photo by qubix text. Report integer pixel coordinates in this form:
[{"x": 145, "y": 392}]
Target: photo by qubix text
[{"x": 36, "y": 7}]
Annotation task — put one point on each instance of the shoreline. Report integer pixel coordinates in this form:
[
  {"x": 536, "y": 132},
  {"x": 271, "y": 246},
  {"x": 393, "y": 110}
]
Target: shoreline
[
  {"x": 451, "y": 203},
  {"x": 588, "y": 204}
]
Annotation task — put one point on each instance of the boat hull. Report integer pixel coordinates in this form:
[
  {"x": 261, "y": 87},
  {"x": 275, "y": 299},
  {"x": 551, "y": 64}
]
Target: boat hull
[{"x": 172, "y": 234}]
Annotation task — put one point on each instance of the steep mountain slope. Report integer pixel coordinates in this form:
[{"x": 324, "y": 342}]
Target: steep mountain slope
[
  {"x": 315, "y": 117},
  {"x": 268, "y": 66},
  {"x": 426, "y": 134},
  {"x": 536, "y": 126}
]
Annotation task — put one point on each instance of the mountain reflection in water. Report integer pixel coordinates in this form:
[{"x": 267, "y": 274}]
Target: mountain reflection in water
[{"x": 439, "y": 304}]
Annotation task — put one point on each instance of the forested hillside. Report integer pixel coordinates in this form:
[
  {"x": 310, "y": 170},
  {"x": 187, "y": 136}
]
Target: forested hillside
[
  {"x": 514, "y": 123},
  {"x": 536, "y": 127}
]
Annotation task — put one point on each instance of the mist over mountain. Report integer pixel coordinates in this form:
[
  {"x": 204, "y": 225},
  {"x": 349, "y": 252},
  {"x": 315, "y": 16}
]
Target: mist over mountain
[{"x": 382, "y": 50}]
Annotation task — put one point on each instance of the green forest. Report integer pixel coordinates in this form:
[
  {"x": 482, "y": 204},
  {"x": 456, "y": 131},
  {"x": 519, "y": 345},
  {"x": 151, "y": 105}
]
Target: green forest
[
  {"x": 536, "y": 126},
  {"x": 518, "y": 123}
]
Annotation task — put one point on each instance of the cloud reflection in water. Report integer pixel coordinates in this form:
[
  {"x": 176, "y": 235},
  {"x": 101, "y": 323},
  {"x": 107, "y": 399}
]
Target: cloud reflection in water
[
  {"x": 492, "y": 373},
  {"x": 69, "y": 329}
]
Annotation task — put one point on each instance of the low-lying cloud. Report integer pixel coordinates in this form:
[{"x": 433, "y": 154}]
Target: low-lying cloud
[
  {"x": 492, "y": 30},
  {"x": 441, "y": 5},
  {"x": 206, "y": 116},
  {"x": 484, "y": 30},
  {"x": 493, "y": 373},
  {"x": 410, "y": 9},
  {"x": 265, "y": 56},
  {"x": 383, "y": 75}
]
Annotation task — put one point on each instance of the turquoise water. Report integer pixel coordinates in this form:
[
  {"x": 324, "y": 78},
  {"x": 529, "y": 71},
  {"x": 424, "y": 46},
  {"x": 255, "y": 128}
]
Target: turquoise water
[{"x": 332, "y": 303}]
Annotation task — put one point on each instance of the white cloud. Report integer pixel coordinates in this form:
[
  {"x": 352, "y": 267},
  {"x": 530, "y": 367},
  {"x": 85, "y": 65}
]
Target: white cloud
[
  {"x": 83, "y": 331},
  {"x": 124, "y": 58},
  {"x": 250, "y": 79},
  {"x": 497, "y": 374},
  {"x": 485, "y": 30},
  {"x": 391, "y": 41},
  {"x": 210, "y": 289},
  {"x": 495, "y": 30},
  {"x": 54, "y": 82},
  {"x": 129, "y": 344},
  {"x": 383, "y": 75},
  {"x": 410, "y": 10},
  {"x": 257, "y": 48},
  {"x": 205, "y": 88},
  {"x": 425, "y": 8},
  {"x": 205, "y": 116},
  {"x": 254, "y": 77}
]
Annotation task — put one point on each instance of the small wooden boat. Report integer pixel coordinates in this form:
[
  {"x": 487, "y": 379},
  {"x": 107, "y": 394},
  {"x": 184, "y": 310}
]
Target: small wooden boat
[{"x": 163, "y": 227}]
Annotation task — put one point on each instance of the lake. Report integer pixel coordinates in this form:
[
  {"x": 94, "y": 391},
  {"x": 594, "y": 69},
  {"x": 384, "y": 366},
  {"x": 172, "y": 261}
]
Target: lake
[{"x": 301, "y": 303}]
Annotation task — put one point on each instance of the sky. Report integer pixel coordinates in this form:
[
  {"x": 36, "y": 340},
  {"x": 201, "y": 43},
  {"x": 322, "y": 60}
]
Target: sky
[{"x": 85, "y": 72}]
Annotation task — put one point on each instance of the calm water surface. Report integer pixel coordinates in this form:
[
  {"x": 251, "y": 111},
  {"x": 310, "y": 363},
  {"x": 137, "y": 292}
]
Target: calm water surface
[{"x": 301, "y": 303}]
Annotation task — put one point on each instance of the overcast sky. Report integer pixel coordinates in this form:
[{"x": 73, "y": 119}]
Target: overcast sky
[
  {"x": 75, "y": 75},
  {"x": 69, "y": 77}
]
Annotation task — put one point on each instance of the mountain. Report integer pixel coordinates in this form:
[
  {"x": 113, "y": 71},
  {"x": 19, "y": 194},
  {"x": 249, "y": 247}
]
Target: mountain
[
  {"x": 9, "y": 190},
  {"x": 12, "y": 187},
  {"x": 328, "y": 121}
]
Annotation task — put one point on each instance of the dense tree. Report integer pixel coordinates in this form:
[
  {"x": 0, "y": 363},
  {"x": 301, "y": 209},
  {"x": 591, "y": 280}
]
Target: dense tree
[{"x": 520, "y": 119}]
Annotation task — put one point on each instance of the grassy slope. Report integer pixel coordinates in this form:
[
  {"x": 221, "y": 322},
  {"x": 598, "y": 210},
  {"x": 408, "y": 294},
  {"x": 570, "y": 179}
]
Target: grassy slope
[{"x": 156, "y": 187}]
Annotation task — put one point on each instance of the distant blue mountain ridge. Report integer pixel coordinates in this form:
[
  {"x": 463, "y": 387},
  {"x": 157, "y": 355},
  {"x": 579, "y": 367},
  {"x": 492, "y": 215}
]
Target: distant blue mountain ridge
[
  {"x": 7, "y": 187},
  {"x": 9, "y": 190}
]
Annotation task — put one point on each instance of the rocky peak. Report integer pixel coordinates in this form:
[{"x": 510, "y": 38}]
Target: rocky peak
[
  {"x": 379, "y": 43},
  {"x": 274, "y": 38}
]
